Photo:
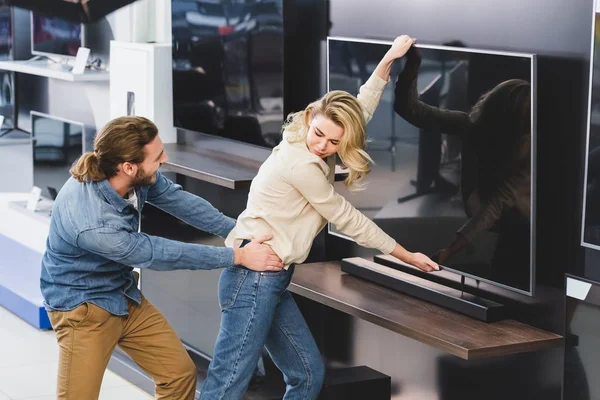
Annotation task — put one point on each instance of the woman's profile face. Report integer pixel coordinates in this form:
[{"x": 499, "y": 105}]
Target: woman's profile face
[{"x": 323, "y": 136}]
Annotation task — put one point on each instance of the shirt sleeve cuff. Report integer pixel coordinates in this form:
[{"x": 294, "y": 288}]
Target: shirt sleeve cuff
[
  {"x": 227, "y": 257},
  {"x": 388, "y": 246}
]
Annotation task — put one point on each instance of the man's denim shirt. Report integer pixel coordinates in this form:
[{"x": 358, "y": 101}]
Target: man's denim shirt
[{"x": 94, "y": 244}]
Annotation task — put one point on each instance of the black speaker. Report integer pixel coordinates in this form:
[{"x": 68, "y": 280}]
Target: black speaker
[{"x": 355, "y": 383}]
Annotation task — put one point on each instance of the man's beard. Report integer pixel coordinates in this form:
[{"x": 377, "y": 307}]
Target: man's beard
[{"x": 143, "y": 179}]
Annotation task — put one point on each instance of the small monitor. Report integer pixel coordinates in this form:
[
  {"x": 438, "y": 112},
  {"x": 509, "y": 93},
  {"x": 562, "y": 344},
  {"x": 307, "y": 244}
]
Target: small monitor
[
  {"x": 57, "y": 144},
  {"x": 55, "y": 37}
]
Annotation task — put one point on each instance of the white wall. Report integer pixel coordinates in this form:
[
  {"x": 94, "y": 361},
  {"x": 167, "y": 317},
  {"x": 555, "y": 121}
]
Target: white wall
[
  {"x": 163, "y": 21},
  {"x": 142, "y": 21}
]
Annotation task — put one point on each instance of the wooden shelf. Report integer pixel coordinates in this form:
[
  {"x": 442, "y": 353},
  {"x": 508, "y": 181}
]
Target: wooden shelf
[
  {"x": 220, "y": 161},
  {"x": 56, "y": 71},
  {"x": 211, "y": 165},
  {"x": 436, "y": 326}
]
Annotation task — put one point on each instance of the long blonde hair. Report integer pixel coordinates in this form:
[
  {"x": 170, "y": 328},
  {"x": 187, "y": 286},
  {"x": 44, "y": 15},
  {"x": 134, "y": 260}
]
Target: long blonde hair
[
  {"x": 121, "y": 140},
  {"x": 345, "y": 111}
]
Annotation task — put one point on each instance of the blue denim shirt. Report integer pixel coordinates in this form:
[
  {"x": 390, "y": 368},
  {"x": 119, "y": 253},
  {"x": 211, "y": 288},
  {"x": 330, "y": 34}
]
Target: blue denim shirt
[{"x": 93, "y": 244}]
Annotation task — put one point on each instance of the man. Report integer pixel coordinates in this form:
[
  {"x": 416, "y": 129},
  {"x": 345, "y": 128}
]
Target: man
[{"x": 93, "y": 245}]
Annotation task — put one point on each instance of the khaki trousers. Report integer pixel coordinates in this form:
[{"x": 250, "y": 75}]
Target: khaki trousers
[{"x": 88, "y": 335}]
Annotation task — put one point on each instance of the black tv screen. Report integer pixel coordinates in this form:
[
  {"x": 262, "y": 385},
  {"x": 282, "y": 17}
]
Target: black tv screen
[
  {"x": 57, "y": 144},
  {"x": 7, "y": 81},
  {"x": 460, "y": 192},
  {"x": 228, "y": 69},
  {"x": 590, "y": 236},
  {"x": 6, "y": 36},
  {"x": 55, "y": 36}
]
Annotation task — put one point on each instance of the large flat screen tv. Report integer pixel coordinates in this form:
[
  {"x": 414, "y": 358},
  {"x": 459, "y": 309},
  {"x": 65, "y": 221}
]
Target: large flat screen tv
[
  {"x": 228, "y": 69},
  {"x": 57, "y": 144},
  {"x": 590, "y": 226},
  {"x": 55, "y": 37},
  {"x": 435, "y": 182}
]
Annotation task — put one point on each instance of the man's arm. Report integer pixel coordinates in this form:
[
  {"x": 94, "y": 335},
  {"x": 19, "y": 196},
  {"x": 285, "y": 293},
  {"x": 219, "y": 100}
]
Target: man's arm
[
  {"x": 187, "y": 207},
  {"x": 140, "y": 250}
]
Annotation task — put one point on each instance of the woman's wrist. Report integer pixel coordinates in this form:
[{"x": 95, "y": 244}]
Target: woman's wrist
[
  {"x": 409, "y": 258},
  {"x": 402, "y": 254},
  {"x": 384, "y": 68}
]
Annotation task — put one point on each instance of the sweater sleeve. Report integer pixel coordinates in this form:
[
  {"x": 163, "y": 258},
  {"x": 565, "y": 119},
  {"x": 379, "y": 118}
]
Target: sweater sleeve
[
  {"x": 310, "y": 180},
  {"x": 369, "y": 95}
]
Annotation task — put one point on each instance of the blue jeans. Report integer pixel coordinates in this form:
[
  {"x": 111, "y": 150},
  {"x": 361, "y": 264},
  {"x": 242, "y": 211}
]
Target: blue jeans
[{"x": 257, "y": 311}]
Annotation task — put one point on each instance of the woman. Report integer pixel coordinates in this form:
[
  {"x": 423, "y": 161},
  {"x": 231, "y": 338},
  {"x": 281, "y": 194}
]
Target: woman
[
  {"x": 496, "y": 160},
  {"x": 293, "y": 197}
]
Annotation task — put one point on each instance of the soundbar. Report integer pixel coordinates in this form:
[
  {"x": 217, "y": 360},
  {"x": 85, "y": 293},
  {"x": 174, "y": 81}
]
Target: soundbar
[
  {"x": 442, "y": 279},
  {"x": 432, "y": 292},
  {"x": 393, "y": 262}
]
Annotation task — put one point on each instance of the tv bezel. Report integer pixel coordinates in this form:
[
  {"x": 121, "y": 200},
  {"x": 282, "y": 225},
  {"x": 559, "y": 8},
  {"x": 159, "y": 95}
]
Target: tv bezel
[
  {"x": 33, "y": 114},
  {"x": 44, "y": 54},
  {"x": 583, "y": 243},
  {"x": 533, "y": 82}
]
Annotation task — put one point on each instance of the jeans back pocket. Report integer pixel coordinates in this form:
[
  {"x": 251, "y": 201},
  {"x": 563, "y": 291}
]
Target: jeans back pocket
[{"x": 230, "y": 283}]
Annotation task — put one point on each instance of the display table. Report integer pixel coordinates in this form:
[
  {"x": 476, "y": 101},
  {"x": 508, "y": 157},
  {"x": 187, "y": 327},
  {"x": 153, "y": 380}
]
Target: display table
[
  {"x": 56, "y": 71},
  {"x": 22, "y": 244},
  {"x": 454, "y": 333}
]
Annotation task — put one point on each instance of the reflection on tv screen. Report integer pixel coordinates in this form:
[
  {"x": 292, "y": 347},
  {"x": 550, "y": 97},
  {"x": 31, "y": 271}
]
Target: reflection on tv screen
[
  {"x": 228, "y": 69},
  {"x": 55, "y": 36},
  {"x": 452, "y": 145},
  {"x": 591, "y": 207}
]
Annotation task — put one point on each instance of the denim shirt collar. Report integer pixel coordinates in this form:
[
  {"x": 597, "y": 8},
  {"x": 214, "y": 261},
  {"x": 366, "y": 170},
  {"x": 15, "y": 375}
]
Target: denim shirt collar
[{"x": 111, "y": 195}]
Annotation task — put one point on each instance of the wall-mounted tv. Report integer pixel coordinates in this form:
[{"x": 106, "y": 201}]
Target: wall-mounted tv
[
  {"x": 457, "y": 185},
  {"x": 590, "y": 226},
  {"x": 55, "y": 37},
  {"x": 228, "y": 69},
  {"x": 57, "y": 144}
]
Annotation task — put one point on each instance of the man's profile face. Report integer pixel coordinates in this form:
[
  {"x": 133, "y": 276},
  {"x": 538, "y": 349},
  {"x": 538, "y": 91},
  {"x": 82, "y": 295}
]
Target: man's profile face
[{"x": 155, "y": 157}]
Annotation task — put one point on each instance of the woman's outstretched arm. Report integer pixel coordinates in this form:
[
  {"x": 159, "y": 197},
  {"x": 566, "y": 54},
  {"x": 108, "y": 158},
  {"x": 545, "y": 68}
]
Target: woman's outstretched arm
[
  {"x": 310, "y": 180},
  {"x": 370, "y": 92}
]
